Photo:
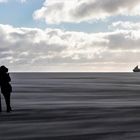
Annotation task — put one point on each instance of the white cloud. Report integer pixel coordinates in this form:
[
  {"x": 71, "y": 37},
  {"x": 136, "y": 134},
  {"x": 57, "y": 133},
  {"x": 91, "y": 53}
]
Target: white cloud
[
  {"x": 125, "y": 25},
  {"x": 55, "y": 49},
  {"x": 57, "y": 11}
]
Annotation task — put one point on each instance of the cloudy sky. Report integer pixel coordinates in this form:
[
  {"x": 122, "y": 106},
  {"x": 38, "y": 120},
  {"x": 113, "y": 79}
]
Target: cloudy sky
[{"x": 70, "y": 35}]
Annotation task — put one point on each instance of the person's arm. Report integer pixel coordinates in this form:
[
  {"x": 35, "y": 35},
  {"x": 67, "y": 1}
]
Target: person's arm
[{"x": 8, "y": 77}]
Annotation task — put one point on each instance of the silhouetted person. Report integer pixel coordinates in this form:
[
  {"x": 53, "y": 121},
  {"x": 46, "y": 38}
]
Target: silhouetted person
[
  {"x": 0, "y": 104},
  {"x": 6, "y": 88}
]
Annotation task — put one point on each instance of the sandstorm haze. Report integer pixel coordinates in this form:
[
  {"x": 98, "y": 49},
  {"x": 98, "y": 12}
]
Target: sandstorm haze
[{"x": 70, "y": 35}]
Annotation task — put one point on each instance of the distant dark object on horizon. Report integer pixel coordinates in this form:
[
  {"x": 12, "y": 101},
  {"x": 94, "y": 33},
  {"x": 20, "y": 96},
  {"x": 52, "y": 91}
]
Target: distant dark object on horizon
[{"x": 136, "y": 69}]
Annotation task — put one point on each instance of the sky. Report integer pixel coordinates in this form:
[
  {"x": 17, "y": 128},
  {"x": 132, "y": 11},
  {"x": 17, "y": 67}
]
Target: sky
[{"x": 70, "y": 35}]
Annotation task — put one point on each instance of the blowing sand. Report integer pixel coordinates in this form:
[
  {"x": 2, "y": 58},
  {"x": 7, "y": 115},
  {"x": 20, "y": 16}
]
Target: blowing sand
[{"x": 73, "y": 106}]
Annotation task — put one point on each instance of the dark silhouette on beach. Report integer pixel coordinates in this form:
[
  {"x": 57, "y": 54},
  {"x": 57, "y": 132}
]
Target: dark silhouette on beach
[{"x": 6, "y": 88}]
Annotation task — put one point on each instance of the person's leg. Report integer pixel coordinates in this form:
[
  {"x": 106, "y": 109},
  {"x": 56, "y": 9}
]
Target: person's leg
[
  {"x": 7, "y": 100},
  {"x": 0, "y": 104}
]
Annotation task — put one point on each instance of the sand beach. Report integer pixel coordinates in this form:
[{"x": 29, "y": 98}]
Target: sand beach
[{"x": 73, "y": 106}]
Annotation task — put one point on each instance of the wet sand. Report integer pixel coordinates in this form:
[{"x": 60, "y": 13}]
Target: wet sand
[{"x": 73, "y": 106}]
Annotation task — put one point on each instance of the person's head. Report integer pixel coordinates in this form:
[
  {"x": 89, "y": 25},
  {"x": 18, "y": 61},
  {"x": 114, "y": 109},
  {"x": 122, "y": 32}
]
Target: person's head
[{"x": 3, "y": 69}]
